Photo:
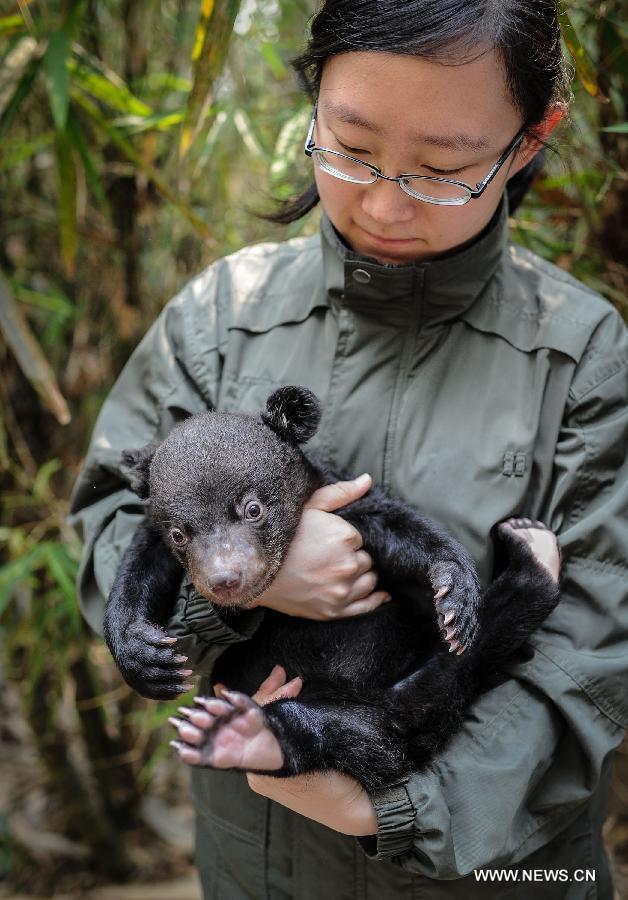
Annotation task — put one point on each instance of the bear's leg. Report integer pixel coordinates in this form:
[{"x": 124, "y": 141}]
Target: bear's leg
[
  {"x": 517, "y": 602},
  {"x": 404, "y": 544},
  {"x": 141, "y": 599},
  {"x": 289, "y": 737}
]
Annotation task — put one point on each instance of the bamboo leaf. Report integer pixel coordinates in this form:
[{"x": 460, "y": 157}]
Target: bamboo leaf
[
  {"x": 250, "y": 134},
  {"x": 113, "y": 93},
  {"x": 29, "y": 354},
  {"x": 288, "y": 150},
  {"x": 56, "y": 567},
  {"x": 66, "y": 174},
  {"x": 17, "y": 571},
  {"x": 75, "y": 14},
  {"x": 620, "y": 128},
  {"x": 131, "y": 153},
  {"x": 211, "y": 141},
  {"x": 11, "y": 24},
  {"x": 274, "y": 62},
  {"x": 57, "y": 76},
  {"x": 17, "y": 151},
  {"x": 91, "y": 172},
  {"x": 54, "y": 300},
  {"x": 213, "y": 33},
  {"x": 41, "y": 484},
  {"x": 577, "y": 52},
  {"x": 156, "y": 82},
  {"x": 157, "y": 122},
  {"x": 13, "y": 105}
]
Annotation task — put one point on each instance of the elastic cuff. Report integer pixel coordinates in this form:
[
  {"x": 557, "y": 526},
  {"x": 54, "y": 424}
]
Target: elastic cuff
[
  {"x": 396, "y": 816},
  {"x": 196, "y": 614}
]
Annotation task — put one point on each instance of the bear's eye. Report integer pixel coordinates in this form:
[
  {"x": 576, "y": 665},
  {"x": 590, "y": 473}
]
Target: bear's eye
[
  {"x": 253, "y": 511},
  {"x": 178, "y": 537}
]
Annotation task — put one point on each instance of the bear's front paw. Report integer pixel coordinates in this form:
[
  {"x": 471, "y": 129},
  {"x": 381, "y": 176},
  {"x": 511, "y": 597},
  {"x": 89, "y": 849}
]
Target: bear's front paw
[
  {"x": 456, "y": 597},
  {"x": 149, "y": 664},
  {"x": 229, "y": 732}
]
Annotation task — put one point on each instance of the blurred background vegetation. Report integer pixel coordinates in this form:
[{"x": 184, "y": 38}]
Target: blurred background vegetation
[{"x": 135, "y": 140}]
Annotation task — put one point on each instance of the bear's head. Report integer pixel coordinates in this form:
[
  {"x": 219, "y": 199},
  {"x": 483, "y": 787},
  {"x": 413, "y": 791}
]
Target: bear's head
[{"x": 226, "y": 491}]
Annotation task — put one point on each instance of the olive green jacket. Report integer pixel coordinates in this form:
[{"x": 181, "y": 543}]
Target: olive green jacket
[{"x": 480, "y": 385}]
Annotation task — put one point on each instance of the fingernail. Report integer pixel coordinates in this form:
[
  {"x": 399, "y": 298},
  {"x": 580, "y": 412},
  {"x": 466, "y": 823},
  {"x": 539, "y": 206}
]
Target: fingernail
[
  {"x": 180, "y": 659},
  {"x": 185, "y": 672},
  {"x": 363, "y": 479}
]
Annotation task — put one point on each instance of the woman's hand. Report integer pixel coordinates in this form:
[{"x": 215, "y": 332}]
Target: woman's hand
[
  {"x": 333, "y": 799},
  {"x": 326, "y": 574}
]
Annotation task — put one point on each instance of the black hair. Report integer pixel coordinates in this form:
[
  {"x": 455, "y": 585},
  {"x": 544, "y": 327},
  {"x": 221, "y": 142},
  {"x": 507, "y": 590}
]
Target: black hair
[{"x": 525, "y": 34}]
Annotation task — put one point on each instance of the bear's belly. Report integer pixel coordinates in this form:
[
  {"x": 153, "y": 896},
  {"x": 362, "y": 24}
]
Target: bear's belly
[{"x": 371, "y": 651}]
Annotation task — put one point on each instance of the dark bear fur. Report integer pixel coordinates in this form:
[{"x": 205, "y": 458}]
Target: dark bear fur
[{"x": 381, "y": 692}]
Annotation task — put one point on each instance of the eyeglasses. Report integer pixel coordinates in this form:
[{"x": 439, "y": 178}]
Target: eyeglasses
[{"x": 430, "y": 189}]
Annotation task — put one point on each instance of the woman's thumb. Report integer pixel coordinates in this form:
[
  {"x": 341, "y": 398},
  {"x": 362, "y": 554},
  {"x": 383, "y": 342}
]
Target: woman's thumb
[{"x": 341, "y": 493}]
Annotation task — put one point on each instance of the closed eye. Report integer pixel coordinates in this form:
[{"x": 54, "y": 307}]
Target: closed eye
[
  {"x": 445, "y": 173},
  {"x": 352, "y": 150}
]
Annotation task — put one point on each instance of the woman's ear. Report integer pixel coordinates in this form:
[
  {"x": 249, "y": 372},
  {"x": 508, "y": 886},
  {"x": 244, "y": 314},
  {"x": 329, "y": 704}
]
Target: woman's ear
[{"x": 535, "y": 141}]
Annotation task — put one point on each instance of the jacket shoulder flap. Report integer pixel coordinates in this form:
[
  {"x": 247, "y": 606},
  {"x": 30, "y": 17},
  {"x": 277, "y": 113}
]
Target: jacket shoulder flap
[
  {"x": 533, "y": 305},
  {"x": 270, "y": 284}
]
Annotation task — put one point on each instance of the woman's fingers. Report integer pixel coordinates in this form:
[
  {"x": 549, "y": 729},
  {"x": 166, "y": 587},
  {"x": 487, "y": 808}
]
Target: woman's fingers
[
  {"x": 290, "y": 689},
  {"x": 334, "y": 496},
  {"x": 273, "y": 682},
  {"x": 367, "y": 605},
  {"x": 275, "y": 686},
  {"x": 363, "y": 561},
  {"x": 362, "y": 587}
]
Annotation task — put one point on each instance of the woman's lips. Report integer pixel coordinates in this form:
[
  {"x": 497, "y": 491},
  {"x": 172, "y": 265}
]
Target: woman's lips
[{"x": 390, "y": 241}]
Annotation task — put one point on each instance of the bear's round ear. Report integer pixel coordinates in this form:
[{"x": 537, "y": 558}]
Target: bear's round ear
[
  {"x": 293, "y": 413},
  {"x": 136, "y": 469}
]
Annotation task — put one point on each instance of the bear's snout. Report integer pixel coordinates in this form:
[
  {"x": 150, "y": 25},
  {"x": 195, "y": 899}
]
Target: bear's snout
[{"x": 227, "y": 568}]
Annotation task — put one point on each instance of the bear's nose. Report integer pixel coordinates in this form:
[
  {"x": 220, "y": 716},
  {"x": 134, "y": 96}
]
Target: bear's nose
[{"x": 224, "y": 580}]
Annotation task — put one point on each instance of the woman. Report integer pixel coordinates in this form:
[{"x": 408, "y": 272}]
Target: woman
[{"x": 471, "y": 378}]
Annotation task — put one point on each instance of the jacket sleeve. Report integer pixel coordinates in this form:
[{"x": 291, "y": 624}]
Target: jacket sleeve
[
  {"x": 533, "y": 751},
  {"x": 174, "y": 372}
]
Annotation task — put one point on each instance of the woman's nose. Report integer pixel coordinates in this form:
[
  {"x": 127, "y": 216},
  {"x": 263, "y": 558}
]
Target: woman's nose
[{"x": 385, "y": 202}]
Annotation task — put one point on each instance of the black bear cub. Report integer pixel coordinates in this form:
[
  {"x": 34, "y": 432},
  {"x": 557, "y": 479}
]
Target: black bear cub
[{"x": 382, "y": 692}]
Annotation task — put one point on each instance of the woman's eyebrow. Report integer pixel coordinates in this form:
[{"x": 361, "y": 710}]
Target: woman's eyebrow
[{"x": 458, "y": 141}]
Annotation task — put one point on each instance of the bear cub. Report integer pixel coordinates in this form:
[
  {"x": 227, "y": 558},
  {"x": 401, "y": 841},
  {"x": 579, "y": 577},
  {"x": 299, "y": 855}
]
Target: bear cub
[{"x": 382, "y": 692}]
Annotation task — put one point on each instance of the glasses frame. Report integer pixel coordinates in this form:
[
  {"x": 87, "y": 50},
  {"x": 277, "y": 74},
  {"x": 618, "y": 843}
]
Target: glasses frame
[{"x": 310, "y": 149}]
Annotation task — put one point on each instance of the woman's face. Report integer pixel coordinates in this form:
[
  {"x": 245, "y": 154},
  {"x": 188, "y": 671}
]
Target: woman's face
[{"x": 407, "y": 115}]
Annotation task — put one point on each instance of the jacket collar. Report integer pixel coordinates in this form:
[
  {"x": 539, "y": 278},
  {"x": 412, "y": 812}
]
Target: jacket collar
[{"x": 438, "y": 289}]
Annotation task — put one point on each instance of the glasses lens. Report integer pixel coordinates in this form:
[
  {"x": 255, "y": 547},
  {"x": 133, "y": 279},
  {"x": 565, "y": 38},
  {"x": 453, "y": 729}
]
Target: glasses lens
[
  {"x": 343, "y": 167},
  {"x": 435, "y": 190}
]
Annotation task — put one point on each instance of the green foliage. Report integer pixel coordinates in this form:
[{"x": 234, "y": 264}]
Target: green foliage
[
  {"x": 132, "y": 153},
  {"x": 576, "y": 216}
]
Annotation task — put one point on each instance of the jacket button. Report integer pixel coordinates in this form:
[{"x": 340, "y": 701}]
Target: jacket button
[{"x": 361, "y": 276}]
